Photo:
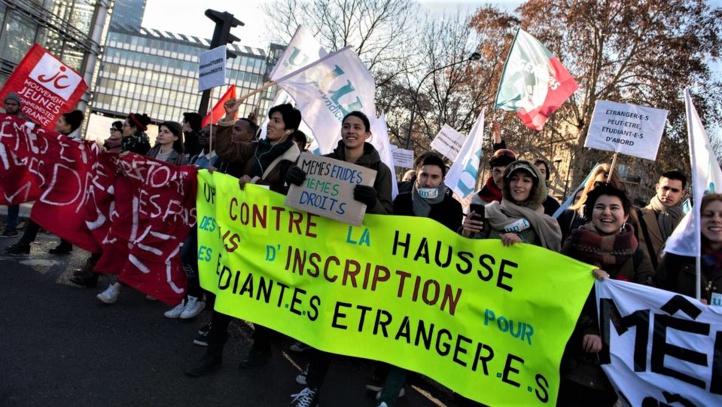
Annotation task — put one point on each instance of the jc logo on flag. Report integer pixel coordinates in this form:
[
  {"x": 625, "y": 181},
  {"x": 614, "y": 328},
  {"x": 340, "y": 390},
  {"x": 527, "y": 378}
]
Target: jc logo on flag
[{"x": 55, "y": 77}]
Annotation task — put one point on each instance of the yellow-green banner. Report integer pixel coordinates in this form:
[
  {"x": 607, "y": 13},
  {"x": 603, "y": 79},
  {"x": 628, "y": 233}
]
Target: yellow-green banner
[{"x": 487, "y": 321}]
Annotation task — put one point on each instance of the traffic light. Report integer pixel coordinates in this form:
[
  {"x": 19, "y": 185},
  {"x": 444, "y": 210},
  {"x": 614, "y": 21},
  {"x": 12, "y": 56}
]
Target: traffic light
[{"x": 222, "y": 34}]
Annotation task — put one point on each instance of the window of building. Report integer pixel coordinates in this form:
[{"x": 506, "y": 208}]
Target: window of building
[{"x": 18, "y": 38}]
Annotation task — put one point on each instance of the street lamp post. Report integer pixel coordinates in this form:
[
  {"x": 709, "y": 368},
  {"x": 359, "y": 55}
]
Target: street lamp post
[{"x": 474, "y": 57}]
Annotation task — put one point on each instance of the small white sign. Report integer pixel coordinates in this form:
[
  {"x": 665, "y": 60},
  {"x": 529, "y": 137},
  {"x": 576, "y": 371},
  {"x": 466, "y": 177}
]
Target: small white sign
[
  {"x": 448, "y": 142},
  {"x": 627, "y": 129},
  {"x": 402, "y": 158},
  {"x": 212, "y": 68}
]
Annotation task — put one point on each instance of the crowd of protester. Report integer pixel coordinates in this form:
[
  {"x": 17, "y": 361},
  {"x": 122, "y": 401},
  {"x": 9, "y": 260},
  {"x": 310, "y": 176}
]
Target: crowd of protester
[{"x": 514, "y": 205}]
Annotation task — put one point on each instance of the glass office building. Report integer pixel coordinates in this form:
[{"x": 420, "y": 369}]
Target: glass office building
[
  {"x": 69, "y": 29},
  {"x": 156, "y": 73}
]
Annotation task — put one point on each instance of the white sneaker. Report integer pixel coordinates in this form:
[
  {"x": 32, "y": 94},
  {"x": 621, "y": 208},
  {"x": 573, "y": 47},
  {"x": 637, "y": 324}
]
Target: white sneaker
[
  {"x": 176, "y": 311},
  {"x": 193, "y": 307},
  {"x": 110, "y": 295}
]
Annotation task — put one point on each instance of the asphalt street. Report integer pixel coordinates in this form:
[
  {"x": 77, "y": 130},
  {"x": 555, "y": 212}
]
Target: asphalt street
[{"x": 60, "y": 346}]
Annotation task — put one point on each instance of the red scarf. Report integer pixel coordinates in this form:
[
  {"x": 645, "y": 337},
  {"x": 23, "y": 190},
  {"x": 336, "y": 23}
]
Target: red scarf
[
  {"x": 490, "y": 192},
  {"x": 589, "y": 246}
]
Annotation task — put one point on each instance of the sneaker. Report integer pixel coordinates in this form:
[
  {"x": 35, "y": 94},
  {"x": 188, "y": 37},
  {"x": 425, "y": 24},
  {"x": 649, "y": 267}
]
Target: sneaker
[
  {"x": 110, "y": 295},
  {"x": 176, "y": 311},
  {"x": 299, "y": 347},
  {"x": 17, "y": 248},
  {"x": 375, "y": 384},
  {"x": 89, "y": 279},
  {"x": 255, "y": 358},
  {"x": 301, "y": 378},
  {"x": 306, "y": 398},
  {"x": 203, "y": 334},
  {"x": 401, "y": 394},
  {"x": 193, "y": 307},
  {"x": 205, "y": 329},
  {"x": 9, "y": 233},
  {"x": 207, "y": 364},
  {"x": 61, "y": 249}
]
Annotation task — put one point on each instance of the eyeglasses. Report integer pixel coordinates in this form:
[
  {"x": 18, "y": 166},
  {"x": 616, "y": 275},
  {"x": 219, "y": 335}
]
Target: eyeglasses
[{"x": 112, "y": 129}]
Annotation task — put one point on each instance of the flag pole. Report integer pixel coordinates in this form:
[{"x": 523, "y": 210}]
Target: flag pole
[
  {"x": 210, "y": 135},
  {"x": 259, "y": 90},
  {"x": 611, "y": 167}
]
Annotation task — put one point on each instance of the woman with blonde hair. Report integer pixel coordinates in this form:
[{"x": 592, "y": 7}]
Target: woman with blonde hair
[{"x": 678, "y": 273}]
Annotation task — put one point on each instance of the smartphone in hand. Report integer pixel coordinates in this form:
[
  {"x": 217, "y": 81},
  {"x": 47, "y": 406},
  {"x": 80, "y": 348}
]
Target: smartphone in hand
[{"x": 478, "y": 210}]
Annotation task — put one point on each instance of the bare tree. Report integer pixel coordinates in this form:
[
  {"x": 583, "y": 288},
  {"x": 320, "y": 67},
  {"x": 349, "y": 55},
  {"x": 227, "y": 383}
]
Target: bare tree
[
  {"x": 638, "y": 51},
  {"x": 379, "y": 30}
]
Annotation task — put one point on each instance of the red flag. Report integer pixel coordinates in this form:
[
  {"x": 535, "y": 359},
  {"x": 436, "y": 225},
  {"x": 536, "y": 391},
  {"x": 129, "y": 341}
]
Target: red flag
[
  {"x": 47, "y": 86},
  {"x": 218, "y": 110},
  {"x": 534, "y": 83}
]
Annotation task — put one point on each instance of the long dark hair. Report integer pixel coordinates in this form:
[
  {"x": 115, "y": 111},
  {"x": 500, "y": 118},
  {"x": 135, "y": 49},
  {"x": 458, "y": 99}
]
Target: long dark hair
[{"x": 177, "y": 131}]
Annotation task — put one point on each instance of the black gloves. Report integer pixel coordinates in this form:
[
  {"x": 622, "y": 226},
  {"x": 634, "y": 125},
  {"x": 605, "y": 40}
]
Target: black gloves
[
  {"x": 365, "y": 194},
  {"x": 295, "y": 176}
]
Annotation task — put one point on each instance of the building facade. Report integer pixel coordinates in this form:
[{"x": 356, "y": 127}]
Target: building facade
[
  {"x": 69, "y": 29},
  {"x": 156, "y": 73}
]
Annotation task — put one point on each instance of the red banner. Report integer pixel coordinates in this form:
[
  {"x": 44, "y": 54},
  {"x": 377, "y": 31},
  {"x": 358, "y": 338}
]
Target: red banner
[
  {"x": 47, "y": 87},
  {"x": 17, "y": 184},
  {"x": 152, "y": 211},
  {"x": 136, "y": 210}
]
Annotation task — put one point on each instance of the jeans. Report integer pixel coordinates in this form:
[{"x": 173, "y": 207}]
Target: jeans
[{"x": 11, "y": 223}]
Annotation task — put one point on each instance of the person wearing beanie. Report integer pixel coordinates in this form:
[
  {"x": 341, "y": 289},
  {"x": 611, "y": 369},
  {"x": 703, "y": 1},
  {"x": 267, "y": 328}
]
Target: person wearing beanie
[
  {"x": 491, "y": 191},
  {"x": 192, "y": 124},
  {"x": 134, "y": 138}
]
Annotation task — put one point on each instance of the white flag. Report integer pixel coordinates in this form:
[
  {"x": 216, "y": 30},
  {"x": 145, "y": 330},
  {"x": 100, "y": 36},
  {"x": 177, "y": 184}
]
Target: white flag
[
  {"x": 706, "y": 177},
  {"x": 462, "y": 175},
  {"x": 328, "y": 89},
  {"x": 380, "y": 141},
  {"x": 301, "y": 51}
]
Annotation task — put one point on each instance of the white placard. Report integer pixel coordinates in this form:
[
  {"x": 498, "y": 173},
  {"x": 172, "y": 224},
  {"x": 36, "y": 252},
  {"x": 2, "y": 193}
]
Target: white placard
[
  {"x": 402, "y": 158},
  {"x": 212, "y": 68},
  {"x": 627, "y": 129},
  {"x": 448, "y": 142}
]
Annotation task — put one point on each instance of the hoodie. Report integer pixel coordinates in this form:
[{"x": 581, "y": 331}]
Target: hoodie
[{"x": 382, "y": 183}]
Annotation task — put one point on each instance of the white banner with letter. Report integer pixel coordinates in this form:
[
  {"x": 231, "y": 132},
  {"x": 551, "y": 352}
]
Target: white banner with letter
[
  {"x": 627, "y": 129},
  {"x": 660, "y": 348}
]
